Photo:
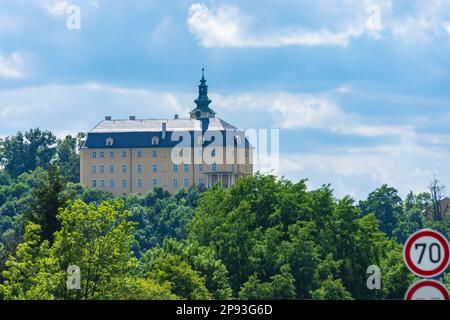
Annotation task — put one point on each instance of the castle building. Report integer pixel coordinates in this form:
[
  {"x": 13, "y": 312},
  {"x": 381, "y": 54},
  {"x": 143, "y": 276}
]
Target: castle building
[{"x": 136, "y": 155}]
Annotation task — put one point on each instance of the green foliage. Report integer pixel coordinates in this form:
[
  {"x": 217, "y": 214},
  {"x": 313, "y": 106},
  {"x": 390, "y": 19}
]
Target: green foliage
[
  {"x": 67, "y": 158},
  {"x": 48, "y": 199},
  {"x": 30, "y": 274},
  {"x": 25, "y": 152},
  {"x": 263, "y": 238},
  {"x": 331, "y": 289},
  {"x": 387, "y": 207},
  {"x": 280, "y": 286},
  {"x": 185, "y": 282},
  {"x": 134, "y": 288},
  {"x": 396, "y": 277},
  {"x": 97, "y": 239},
  {"x": 204, "y": 275}
]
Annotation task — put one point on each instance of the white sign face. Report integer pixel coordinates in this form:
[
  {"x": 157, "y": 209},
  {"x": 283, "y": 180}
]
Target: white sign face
[
  {"x": 426, "y": 253},
  {"x": 427, "y": 290}
]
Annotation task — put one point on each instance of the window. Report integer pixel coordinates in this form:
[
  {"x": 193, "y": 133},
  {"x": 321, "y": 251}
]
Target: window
[
  {"x": 175, "y": 154},
  {"x": 124, "y": 183},
  {"x": 102, "y": 183},
  {"x": 200, "y": 181},
  {"x": 124, "y": 154},
  {"x": 154, "y": 168},
  {"x": 94, "y": 155},
  {"x": 139, "y": 154},
  {"x": 139, "y": 168},
  {"x": 214, "y": 167},
  {"x": 112, "y": 183},
  {"x": 213, "y": 153},
  {"x": 124, "y": 168},
  {"x": 93, "y": 169},
  {"x": 175, "y": 168},
  {"x": 186, "y": 168},
  {"x": 154, "y": 154},
  {"x": 101, "y": 168},
  {"x": 111, "y": 154},
  {"x": 109, "y": 142},
  {"x": 186, "y": 182},
  {"x": 102, "y": 155},
  {"x": 155, "y": 140},
  {"x": 139, "y": 183},
  {"x": 155, "y": 182},
  {"x": 94, "y": 184},
  {"x": 111, "y": 168},
  {"x": 200, "y": 167},
  {"x": 175, "y": 182}
]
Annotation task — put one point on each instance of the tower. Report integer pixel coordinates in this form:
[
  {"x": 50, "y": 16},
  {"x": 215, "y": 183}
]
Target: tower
[{"x": 203, "y": 112}]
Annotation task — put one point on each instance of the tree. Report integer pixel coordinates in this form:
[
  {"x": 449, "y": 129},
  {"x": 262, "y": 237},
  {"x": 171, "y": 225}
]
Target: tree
[
  {"x": 411, "y": 220},
  {"x": 98, "y": 240},
  {"x": 437, "y": 192},
  {"x": 387, "y": 207},
  {"x": 48, "y": 199},
  {"x": 26, "y": 152},
  {"x": 331, "y": 289},
  {"x": 396, "y": 277},
  {"x": 135, "y": 288},
  {"x": 31, "y": 273},
  {"x": 165, "y": 267},
  {"x": 67, "y": 157}
]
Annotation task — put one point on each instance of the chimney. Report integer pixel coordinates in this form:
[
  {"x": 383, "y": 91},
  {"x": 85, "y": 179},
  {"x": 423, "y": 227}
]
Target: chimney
[
  {"x": 108, "y": 118},
  {"x": 132, "y": 117},
  {"x": 164, "y": 129},
  {"x": 175, "y": 117}
]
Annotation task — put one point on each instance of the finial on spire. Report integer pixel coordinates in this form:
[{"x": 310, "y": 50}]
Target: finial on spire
[{"x": 203, "y": 73}]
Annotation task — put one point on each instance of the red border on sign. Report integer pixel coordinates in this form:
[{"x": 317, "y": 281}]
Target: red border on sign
[
  {"x": 410, "y": 264},
  {"x": 427, "y": 283}
]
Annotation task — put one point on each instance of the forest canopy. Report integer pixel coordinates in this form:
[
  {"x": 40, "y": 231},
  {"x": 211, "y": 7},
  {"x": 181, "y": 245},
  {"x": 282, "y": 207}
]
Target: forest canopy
[{"x": 263, "y": 238}]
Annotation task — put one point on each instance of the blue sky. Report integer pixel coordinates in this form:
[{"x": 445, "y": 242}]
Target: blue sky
[{"x": 358, "y": 88}]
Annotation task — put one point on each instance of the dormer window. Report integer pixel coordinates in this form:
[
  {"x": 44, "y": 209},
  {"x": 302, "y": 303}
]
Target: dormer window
[
  {"x": 109, "y": 142},
  {"x": 155, "y": 140}
]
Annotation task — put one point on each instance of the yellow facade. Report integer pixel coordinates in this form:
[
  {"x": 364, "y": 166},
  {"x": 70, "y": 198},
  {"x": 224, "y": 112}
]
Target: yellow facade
[{"x": 139, "y": 170}]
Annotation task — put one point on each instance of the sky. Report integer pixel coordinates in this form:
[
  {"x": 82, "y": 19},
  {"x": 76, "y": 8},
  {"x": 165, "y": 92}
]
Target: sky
[{"x": 359, "y": 89}]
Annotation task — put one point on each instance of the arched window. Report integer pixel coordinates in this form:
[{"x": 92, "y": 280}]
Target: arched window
[
  {"x": 109, "y": 142},
  {"x": 213, "y": 153}
]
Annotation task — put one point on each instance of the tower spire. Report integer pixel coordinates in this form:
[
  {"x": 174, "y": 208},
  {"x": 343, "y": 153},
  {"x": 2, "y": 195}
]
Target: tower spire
[{"x": 202, "y": 110}]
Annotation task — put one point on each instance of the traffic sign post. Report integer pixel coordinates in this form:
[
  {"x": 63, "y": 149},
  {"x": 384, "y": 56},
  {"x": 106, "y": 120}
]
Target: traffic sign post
[
  {"x": 427, "y": 290},
  {"x": 427, "y": 253}
]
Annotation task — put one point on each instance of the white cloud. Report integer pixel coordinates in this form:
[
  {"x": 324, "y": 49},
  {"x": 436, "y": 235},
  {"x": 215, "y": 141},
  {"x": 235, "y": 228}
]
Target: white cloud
[
  {"x": 56, "y": 7},
  {"x": 446, "y": 26},
  {"x": 290, "y": 111},
  {"x": 12, "y": 65},
  {"x": 228, "y": 28},
  {"x": 336, "y": 23},
  {"x": 406, "y": 167},
  {"x": 80, "y": 107}
]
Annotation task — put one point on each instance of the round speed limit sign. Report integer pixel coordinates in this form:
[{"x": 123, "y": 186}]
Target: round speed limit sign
[
  {"x": 427, "y": 290},
  {"x": 427, "y": 253}
]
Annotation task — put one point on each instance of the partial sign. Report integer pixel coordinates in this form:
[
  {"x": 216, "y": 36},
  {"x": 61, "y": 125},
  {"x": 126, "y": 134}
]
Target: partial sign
[
  {"x": 427, "y": 290},
  {"x": 426, "y": 253}
]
